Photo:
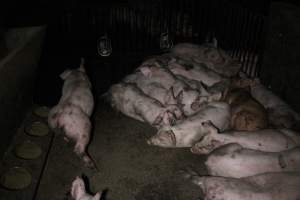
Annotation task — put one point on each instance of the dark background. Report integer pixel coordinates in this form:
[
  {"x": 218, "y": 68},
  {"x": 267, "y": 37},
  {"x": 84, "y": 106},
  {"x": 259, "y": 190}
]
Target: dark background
[{"x": 71, "y": 34}]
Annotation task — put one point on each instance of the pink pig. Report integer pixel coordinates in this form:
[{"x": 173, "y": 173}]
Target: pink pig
[
  {"x": 131, "y": 101},
  {"x": 71, "y": 114}
]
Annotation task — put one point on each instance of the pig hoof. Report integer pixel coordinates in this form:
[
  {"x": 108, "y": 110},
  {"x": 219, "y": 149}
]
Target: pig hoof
[
  {"x": 148, "y": 142},
  {"x": 195, "y": 150},
  {"x": 199, "y": 149}
]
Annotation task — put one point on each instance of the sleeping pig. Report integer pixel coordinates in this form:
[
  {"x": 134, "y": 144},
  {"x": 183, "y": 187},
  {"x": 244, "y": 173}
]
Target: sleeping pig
[
  {"x": 269, "y": 140},
  {"x": 213, "y": 57},
  {"x": 246, "y": 113},
  {"x": 131, "y": 101},
  {"x": 190, "y": 130},
  {"x": 162, "y": 85},
  {"x": 233, "y": 160},
  {"x": 266, "y": 186}
]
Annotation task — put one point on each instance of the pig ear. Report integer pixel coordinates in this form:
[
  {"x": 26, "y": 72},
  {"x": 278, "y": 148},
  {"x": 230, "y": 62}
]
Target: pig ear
[
  {"x": 179, "y": 97},
  {"x": 146, "y": 71},
  {"x": 97, "y": 196},
  {"x": 169, "y": 98},
  {"x": 81, "y": 67},
  {"x": 169, "y": 118},
  {"x": 203, "y": 89},
  {"x": 157, "y": 121},
  {"x": 65, "y": 74}
]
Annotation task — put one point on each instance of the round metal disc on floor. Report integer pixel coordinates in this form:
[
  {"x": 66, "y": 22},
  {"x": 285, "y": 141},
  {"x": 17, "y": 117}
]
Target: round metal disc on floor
[
  {"x": 41, "y": 111},
  {"x": 16, "y": 178},
  {"x": 37, "y": 128},
  {"x": 28, "y": 150}
]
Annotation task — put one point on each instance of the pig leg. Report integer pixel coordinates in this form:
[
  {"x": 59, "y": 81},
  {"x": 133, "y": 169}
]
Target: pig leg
[{"x": 209, "y": 142}]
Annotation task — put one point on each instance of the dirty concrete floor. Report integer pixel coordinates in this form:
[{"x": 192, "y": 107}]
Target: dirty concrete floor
[{"x": 128, "y": 168}]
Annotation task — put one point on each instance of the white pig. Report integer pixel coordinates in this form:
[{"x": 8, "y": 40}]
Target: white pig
[
  {"x": 198, "y": 72},
  {"x": 77, "y": 89},
  {"x": 188, "y": 131},
  {"x": 78, "y": 191},
  {"x": 269, "y": 140},
  {"x": 161, "y": 84},
  {"x": 232, "y": 160},
  {"x": 71, "y": 114},
  {"x": 266, "y": 186},
  {"x": 213, "y": 57},
  {"x": 75, "y": 124},
  {"x": 131, "y": 101}
]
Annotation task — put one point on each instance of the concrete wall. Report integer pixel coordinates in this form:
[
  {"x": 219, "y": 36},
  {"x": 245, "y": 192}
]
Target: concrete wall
[
  {"x": 281, "y": 67},
  {"x": 17, "y": 76}
]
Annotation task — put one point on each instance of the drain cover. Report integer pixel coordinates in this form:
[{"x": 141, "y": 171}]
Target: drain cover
[
  {"x": 37, "y": 128},
  {"x": 16, "y": 178},
  {"x": 41, "y": 111},
  {"x": 28, "y": 150}
]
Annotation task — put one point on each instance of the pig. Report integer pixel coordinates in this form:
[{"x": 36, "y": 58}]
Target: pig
[
  {"x": 266, "y": 186},
  {"x": 152, "y": 89},
  {"x": 199, "y": 72},
  {"x": 188, "y": 131},
  {"x": 77, "y": 89},
  {"x": 78, "y": 191},
  {"x": 71, "y": 114},
  {"x": 162, "y": 85},
  {"x": 281, "y": 115},
  {"x": 76, "y": 125},
  {"x": 131, "y": 101},
  {"x": 247, "y": 114},
  {"x": 233, "y": 160},
  {"x": 213, "y": 57},
  {"x": 269, "y": 140}
]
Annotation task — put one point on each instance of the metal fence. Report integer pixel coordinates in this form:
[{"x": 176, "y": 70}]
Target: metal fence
[{"x": 135, "y": 27}]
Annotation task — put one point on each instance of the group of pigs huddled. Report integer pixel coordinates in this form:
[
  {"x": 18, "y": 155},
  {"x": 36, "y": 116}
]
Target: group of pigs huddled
[{"x": 196, "y": 97}]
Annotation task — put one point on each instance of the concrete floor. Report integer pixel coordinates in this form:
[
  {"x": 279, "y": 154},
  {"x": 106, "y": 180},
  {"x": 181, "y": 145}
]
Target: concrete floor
[{"x": 128, "y": 168}]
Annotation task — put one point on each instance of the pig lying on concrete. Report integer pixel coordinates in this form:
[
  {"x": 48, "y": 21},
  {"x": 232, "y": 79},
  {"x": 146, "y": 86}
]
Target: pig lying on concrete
[
  {"x": 232, "y": 160},
  {"x": 188, "y": 131},
  {"x": 130, "y": 100},
  {"x": 162, "y": 85},
  {"x": 281, "y": 115},
  {"x": 199, "y": 72},
  {"x": 77, "y": 89},
  {"x": 269, "y": 140},
  {"x": 267, "y": 186},
  {"x": 78, "y": 191},
  {"x": 71, "y": 114},
  {"x": 214, "y": 58},
  {"x": 246, "y": 113}
]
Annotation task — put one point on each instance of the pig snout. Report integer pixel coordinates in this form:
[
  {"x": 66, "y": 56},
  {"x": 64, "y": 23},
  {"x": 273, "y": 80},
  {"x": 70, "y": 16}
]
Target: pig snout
[
  {"x": 78, "y": 191},
  {"x": 163, "y": 139}
]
